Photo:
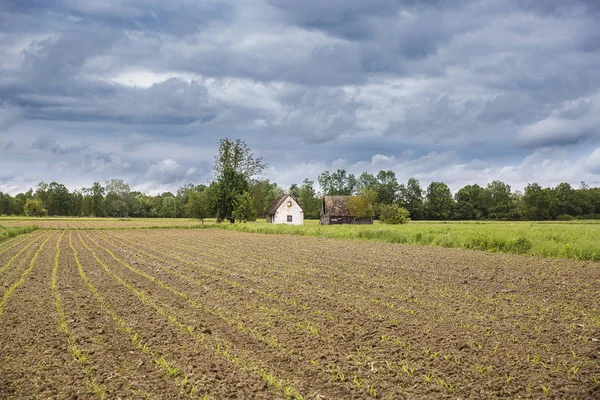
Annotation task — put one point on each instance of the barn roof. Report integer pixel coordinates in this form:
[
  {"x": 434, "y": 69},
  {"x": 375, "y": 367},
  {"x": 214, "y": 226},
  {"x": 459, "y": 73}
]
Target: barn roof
[
  {"x": 276, "y": 203},
  {"x": 337, "y": 205}
]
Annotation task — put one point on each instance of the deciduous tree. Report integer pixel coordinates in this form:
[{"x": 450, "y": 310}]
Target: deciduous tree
[{"x": 234, "y": 166}]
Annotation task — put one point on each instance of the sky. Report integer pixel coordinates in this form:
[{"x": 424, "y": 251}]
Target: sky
[{"x": 460, "y": 91}]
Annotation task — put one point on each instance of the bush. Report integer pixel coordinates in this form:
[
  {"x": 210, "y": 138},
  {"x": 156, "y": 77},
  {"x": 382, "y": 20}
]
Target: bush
[
  {"x": 393, "y": 214},
  {"x": 35, "y": 208},
  {"x": 565, "y": 217},
  {"x": 520, "y": 246}
]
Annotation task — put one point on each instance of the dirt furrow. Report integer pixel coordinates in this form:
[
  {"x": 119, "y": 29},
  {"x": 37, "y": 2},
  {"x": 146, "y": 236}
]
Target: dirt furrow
[
  {"x": 113, "y": 363},
  {"x": 33, "y": 357},
  {"x": 238, "y": 328},
  {"x": 465, "y": 329},
  {"x": 212, "y": 372},
  {"x": 331, "y": 354}
]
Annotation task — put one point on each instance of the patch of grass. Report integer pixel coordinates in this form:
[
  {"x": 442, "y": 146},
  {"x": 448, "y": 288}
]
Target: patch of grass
[
  {"x": 571, "y": 240},
  {"x": 8, "y": 233}
]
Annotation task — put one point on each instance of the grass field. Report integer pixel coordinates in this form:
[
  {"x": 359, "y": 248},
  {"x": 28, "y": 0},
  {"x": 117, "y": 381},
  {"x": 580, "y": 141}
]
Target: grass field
[
  {"x": 575, "y": 240},
  {"x": 10, "y": 232},
  {"x": 216, "y": 314}
]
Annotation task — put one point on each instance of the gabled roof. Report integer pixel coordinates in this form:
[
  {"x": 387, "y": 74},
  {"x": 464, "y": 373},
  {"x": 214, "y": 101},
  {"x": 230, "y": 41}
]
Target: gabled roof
[
  {"x": 337, "y": 205},
  {"x": 276, "y": 204}
]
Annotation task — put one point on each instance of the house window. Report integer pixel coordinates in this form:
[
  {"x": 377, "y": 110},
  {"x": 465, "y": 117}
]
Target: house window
[
  {"x": 289, "y": 203},
  {"x": 289, "y": 218}
]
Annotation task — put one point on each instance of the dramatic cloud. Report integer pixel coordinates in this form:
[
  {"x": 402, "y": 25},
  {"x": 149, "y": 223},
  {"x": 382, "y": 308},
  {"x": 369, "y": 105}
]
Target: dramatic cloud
[{"x": 463, "y": 91}]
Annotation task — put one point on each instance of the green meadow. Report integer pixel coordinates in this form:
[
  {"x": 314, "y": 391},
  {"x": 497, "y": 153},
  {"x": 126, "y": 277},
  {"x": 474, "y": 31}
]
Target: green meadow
[
  {"x": 572, "y": 240},
  {"x": 7, "y": 233}
]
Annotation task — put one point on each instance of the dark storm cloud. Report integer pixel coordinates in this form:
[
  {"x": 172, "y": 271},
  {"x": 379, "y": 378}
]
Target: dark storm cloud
[
  {"x": 176, "y": 18},
  {"x": 49, "y": 144},
  {"x": 144, "y": 89}
]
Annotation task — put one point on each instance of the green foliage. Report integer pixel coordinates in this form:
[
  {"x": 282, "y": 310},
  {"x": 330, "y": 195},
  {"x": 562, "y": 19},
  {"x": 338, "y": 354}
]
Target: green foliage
[
  {"x": 338, "y": 183},
  {"x": 93, "y": 200},
  {"x": 393, "y": 214},
  {"x": 201, "y": 202},
  {"x": 361, "y": 206},
  {"x": 498, "y": 196},
  {"x": 294, "y": 191},
  {"x": 387, "y": 187},
  {"x": 118, "y": 199},
  {"x": 471, "y": 203},
  {"x": 243, "y": 208},
  {"x": 34, "y": 208},
  {"x": 439, "y": 202},
  {"x": 263, "y": 193},
  {"x": 538, "y": 202},
  {"x": 411, "y": 198},
  {"x": 10, "y": 232},
  {"x": 234, "y": 167},
  {"x": 308, "y": 200},
  {"x": 237, "y": 156},
  {"x": 564, "y": 240},
  {"x": 565, "y": 217}
]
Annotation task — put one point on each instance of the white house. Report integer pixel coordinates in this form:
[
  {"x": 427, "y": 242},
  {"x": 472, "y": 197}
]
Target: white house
[{"x": 285, "y": 210}]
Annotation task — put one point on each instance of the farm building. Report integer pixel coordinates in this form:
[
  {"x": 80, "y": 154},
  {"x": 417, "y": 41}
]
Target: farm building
[
  {"x": 336, "y": 210},
  {"x": 285, "y": 210}
]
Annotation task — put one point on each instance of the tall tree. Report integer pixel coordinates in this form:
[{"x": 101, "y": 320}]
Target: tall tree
[
  {"x": 294, "y": 191},
  {"x": 201, "y": 202},
  {"x": 263, "y": 192},
  {"x": 367, "y": 181},
  {"x": 308, "y": 200},
  {"x": 118, "y": 197},
  {"x": 5, "y": 204},
  {"x": 77, "y": 203},
  {"x": 234, "y": 166},
  {"x": 387, "y": 187},
  {"x": 41, "y": 193},
  {"x": 59, "y": 200},
  {"x": 565, "y": 200},
  {"x": 411, "y": 198},
  {"x": 439, "y": 202},
  {"x": 338, "y": 183},
  {"x": 470, "y": 201},
  {"x": 538, "y": 202},
  {"x": 97, "y": 193},
  {"x": 500, "y": 200}
]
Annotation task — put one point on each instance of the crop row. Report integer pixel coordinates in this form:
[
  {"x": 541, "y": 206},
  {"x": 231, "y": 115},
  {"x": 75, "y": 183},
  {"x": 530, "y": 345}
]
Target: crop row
[
  {"x": 314, "y": 330},
  {"x": 481, "y": 332},
  {"x": 308, "y": 323}
]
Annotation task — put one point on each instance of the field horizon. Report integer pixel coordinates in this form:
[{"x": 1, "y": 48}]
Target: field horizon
[{"x": 560, "y": 239}]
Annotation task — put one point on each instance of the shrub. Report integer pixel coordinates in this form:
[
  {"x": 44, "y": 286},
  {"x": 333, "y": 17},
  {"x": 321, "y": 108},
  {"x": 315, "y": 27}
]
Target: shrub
[
  {"x": 565, "y": 217},
  {"x": 35, "y": 208},
  {"x": 520, "y": 246},
  {"x": 393, "y": 214}
]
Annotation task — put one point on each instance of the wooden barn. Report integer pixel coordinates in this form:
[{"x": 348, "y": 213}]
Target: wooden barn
[
  {"x": 285, "y": 210},
  {"x": 336, "y": 210}
]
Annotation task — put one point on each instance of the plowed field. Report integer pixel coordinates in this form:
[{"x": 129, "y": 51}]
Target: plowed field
[
  {"x": 104, "y": 223},
  {"x": 221, "y": 314}
]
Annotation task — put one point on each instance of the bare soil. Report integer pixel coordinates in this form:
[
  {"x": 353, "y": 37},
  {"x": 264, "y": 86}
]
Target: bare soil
[{"x": 223, "y": 314}]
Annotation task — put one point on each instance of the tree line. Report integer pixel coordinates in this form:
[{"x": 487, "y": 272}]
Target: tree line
[{"x": 237, "y": 194}]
